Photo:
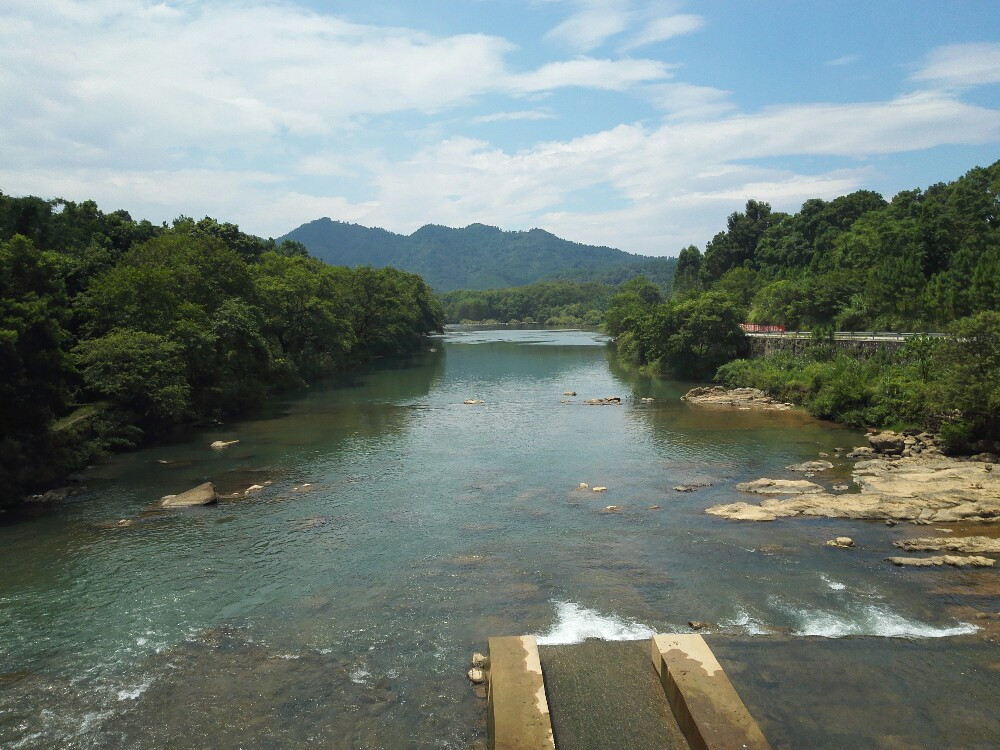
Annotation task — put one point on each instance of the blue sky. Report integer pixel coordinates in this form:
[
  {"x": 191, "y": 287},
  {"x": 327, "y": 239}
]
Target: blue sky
[{"x": 639, "y": 124}]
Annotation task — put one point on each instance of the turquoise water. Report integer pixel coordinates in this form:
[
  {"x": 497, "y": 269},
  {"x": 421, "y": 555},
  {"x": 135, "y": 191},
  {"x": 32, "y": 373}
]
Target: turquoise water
[{"x": 396, "y": 529}]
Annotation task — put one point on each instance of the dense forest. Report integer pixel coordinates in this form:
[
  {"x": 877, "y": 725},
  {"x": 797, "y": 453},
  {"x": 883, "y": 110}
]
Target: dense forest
[
  {"x": 928, "y": 260},
  {"x": 476, "y": 256},
  {"x": 562, "y": 303},
  {"x": 114, "y": 331}
]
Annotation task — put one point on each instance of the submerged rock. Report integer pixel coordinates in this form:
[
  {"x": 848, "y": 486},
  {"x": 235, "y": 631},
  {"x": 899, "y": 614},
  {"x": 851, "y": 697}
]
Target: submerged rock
[
  {"x": 220, "y": 445},
  {"x": 609, "y": 401},
  {"x": 742, "y": 398},
  {"x": 811, "y": 466},
  {"x": 955, "y": 561},
  {"x": 203, "y": 494},
  {"x": 779, "y": 487}
]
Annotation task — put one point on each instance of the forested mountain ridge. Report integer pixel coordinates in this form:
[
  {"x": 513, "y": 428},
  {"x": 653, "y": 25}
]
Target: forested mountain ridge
[
  {"x": 113, "y": 331},
  {"x": 476, "y": 256}
]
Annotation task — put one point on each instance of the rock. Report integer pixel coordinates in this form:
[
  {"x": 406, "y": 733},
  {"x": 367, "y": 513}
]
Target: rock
[
  {"x": 843, "y": 542},
  {"x": 473, "y": 401},
  {"x": 861, "y": 452},
  {"x": 52, "y": 496},
  {"x": 967, "y": 544},
  {"x": 203, "y": 494},
  {"x": 583, "y": 486},
  {"x": 925, "y": 489},
  {"x": 124, "y": 523},
  {"x": 779, "y": 487},
  {"x": 742, "y": 398},
  {"x": 478, "y": 660},
  {"x": 824, "y": 455},
  {"x": 811, "y": 466},
  {"x": 654, "y": 507},
  {"x": 887, "y": 443},
  {"x": 609, "y": 401},
  {"x": 476, "y": 676},
  {"x": 698, "y": 625},
  {"x": 840, "y": 487},
  {"x": 891, "y": 523},
  {"x": 599, "y": 489},
  {"x": 252, "y": 489},
  {"x": 691, "y": 486},
  {"x": 953, "y": 560},
  {"x": 646, "y": 399},
  {"x": 569, "y": 393},
  {"x": 986, "y": 458},
  {"x": 612, "y": 509},
  {"x": 220, "y": 445}
]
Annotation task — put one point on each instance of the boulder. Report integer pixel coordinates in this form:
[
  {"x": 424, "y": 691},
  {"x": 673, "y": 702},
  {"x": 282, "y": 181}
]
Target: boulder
[
  {"x": 476, "y": 676},
  {"x": 478, "y": 660},
  {"x": 583, "y": 486},
  {"x": 203, "y": 494},
  {"x": 609, "y": 401},
  {"x": 698, "y": 625},
  {"x": 861, "y": 452},
  {"x": 844, "y": 542},
  {"x": 986, "y": 458},
  {"x": 599, "y": 489},
  {"x": 221, "y": 445},
  {"x": 887, "y": 443}
]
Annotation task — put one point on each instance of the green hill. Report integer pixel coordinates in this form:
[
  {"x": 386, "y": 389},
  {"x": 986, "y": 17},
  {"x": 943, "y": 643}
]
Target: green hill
[{"x": 476, "y": 257}]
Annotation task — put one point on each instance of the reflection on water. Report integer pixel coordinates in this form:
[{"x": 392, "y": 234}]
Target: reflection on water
[{"x": 394, "y": 529}]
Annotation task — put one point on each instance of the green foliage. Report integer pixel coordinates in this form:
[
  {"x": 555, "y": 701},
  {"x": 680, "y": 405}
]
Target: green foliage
[
  {"x": 553, "y": 302},
  {"x": 113, "y": 331},
  {"x": 951, "y": 385}
]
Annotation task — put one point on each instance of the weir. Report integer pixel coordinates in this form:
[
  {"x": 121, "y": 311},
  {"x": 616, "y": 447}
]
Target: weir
[
  {"x": 668, "y": 693},
  {"x": 857, "y": 344}
]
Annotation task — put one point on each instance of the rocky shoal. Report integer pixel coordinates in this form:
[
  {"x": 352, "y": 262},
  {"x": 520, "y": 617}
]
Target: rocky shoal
[
  {"x": 740, "y": 398},
  {"x": 923, "y": 486}
]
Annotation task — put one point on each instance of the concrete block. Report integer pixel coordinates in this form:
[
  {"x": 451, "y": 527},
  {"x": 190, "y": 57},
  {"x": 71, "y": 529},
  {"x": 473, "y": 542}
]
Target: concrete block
[
  {"x": 705, "y": 704},
  {"x": 517, "y": 709}
]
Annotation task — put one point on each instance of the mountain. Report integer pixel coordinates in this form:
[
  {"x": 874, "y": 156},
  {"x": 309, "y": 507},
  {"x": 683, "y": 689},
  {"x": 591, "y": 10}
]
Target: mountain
[{"x": 476, "y": 257}]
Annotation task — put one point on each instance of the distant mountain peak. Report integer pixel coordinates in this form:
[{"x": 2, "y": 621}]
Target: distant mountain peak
[{"x": 478, "y": 256}]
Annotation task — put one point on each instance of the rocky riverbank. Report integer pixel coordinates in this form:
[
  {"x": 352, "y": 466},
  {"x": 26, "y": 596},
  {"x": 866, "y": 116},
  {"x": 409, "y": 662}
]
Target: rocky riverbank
[
  {"x": 901, "y": 478},
  {"x": 739, "y": 398}
]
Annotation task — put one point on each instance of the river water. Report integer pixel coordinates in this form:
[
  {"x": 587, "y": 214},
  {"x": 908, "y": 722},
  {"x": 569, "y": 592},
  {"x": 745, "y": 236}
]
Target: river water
[{"x": 397, "y": 528}]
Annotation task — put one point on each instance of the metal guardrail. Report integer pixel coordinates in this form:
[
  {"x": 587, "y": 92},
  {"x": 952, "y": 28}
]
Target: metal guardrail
[{"x": 846, "y": 335}]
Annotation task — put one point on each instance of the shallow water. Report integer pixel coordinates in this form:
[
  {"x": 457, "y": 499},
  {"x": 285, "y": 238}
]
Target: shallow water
[{"x": 338, "y": 605}]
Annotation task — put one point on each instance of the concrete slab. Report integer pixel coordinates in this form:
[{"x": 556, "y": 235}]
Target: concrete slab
[
  {"x": 704, "y": 702},
  {"x": 605, "y": 695},
  {"x": 517, "y": 709}
]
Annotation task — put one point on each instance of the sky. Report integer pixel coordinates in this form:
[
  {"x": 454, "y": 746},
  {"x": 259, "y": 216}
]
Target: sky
[{"x": 638, "y": 124}]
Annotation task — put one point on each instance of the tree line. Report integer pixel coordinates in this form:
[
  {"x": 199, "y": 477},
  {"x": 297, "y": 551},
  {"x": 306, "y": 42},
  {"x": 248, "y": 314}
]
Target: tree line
[
  {"x": 928, "y": 260},
  {"x": 115, "y": 331},
  {"x": 550, "y": 302}
]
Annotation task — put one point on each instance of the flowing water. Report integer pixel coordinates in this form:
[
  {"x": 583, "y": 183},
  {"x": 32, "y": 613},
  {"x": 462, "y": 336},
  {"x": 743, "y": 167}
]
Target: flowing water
[{"x": 396, "y": 528}]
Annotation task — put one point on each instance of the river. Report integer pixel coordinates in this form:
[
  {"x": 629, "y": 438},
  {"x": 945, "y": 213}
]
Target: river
[{"x": 397, "y": 528}]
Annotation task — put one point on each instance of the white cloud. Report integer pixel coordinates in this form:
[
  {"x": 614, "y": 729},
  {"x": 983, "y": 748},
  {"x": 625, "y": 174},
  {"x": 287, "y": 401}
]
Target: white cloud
[
  {"x": 613, "y": 75},
  {"x": 845, "y": 60},
  {"x": 683, "y": 100},
  {"x": 592, "y": 23},
  {"x": 530, "y": 114},
  {"x": 664, "y": 28},
  {"x": 962, "y": 65}
]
